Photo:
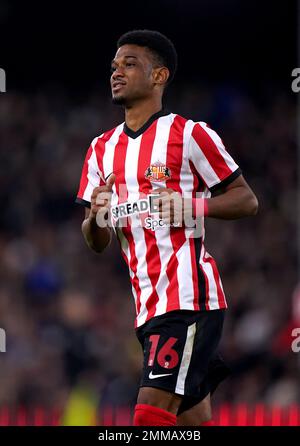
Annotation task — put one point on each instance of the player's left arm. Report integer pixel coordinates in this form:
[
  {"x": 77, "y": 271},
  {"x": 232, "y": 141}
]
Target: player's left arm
[
  {"x": 231, "y": 196},
  {"x": 234, "y": 201},
  {"x": 220, "y": 174}
]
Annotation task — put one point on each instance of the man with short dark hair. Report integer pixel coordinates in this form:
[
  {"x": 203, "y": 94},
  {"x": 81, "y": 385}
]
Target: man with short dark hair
[{"x": 154, "y": 178}]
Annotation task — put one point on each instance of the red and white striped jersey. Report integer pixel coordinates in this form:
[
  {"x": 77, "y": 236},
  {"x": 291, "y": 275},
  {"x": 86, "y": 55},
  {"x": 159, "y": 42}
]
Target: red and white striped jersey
[{"x": 169, "y": 269}]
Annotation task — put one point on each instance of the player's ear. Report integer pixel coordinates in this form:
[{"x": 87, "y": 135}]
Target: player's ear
[{"x": 161, "y": 75}]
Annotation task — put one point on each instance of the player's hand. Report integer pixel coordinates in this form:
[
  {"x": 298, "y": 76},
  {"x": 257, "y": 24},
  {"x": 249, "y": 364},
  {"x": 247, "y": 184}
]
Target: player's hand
[
  {"x": 101, "y": 198},
  {"x": 171, "y": 205}
]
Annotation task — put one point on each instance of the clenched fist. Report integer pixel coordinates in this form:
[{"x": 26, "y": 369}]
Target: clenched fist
[{"x": 101, "y": 199}]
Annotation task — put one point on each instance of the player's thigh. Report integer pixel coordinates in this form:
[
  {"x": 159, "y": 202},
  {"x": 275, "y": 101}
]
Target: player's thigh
[
  {"x": 197, "y": 414},
  {"x": 159, "y": 398}
]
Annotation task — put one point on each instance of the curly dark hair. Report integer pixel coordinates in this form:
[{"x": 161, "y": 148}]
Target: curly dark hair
[{"x": 162, "y": 49}]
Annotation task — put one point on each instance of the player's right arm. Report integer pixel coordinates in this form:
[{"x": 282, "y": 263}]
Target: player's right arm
[{"x": 98, "y": 237}]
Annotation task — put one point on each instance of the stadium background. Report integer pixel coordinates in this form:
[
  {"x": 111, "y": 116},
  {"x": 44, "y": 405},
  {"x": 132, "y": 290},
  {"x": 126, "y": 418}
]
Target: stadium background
[{"x": 72, "y": 357}]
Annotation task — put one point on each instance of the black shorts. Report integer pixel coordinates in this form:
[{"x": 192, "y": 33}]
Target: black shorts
[{"x": 180, "y": 354}]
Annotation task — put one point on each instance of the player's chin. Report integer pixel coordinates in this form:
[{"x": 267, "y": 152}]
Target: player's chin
[{"x": 118, "y": 99}]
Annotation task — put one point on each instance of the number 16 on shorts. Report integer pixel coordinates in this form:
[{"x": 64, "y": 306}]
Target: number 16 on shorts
[{"x": 166, "y": 356}]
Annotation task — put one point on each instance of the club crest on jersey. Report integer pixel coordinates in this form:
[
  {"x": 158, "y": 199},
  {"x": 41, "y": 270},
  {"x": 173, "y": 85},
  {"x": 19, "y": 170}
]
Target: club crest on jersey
[{"x": 158, "y": 172}]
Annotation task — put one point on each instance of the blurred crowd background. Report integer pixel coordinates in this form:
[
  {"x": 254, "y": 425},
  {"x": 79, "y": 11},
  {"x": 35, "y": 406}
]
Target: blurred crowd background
[{"x": 68, "y": 313}]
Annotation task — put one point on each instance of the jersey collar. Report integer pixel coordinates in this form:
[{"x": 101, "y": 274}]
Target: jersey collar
[{"x": 134, "y": 134}]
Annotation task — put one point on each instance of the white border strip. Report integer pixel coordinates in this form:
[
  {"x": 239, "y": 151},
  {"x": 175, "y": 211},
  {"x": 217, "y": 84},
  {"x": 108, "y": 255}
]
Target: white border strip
[{"x": 186, "y": 359}]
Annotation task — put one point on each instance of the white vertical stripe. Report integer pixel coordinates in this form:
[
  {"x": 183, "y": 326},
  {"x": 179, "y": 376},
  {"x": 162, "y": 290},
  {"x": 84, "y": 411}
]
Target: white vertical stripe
[
  {"x": 221, "y": 285},
  {"x": 213, "y": 302},
  {"x": 185, "y": 277},
  {"x": 186, "y": 359},
  {"x": 202, "y": 164},
  {"x": 186, "y": 175},
  {"x": 92, "y": 177}
]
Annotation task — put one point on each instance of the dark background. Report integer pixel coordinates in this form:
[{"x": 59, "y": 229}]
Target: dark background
[{"x": 248, "y": 42}]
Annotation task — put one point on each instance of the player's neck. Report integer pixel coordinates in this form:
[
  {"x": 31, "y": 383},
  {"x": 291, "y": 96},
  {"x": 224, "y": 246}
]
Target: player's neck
[{"x": 137, "y": 115}]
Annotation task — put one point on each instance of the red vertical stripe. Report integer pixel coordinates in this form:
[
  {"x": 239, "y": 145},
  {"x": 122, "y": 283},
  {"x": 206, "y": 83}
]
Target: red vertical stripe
[
  {"x": 21, "y": 416},
  {"x": 211, "y": 152},
  {"x": 177, "y": 235},
  {"x": 38, "y": 417},
  {"x": 107, "y": 417},
  {"x": 133, "y": 267},
  {"x": 5, "y": 417},
  {"x": 241, "y": 413},
  {"x": 84, "y": 175},
  {"x": 276, "y": 416},
  {"x": 294, "y": 415},
  {"x": 123, "y": 417},
  {"x": 224, "y": 415},
  {"x": 259, "y": 415},
  {"x": 55, "y": 418}
]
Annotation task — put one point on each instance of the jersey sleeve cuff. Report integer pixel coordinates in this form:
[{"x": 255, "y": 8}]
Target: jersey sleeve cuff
[
  {"x": 227, "y": 180},
  {"x": 85, "y": 203}
]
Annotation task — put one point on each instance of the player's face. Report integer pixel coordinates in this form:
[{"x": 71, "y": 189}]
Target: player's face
[{"x": 131, "y": 78}]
